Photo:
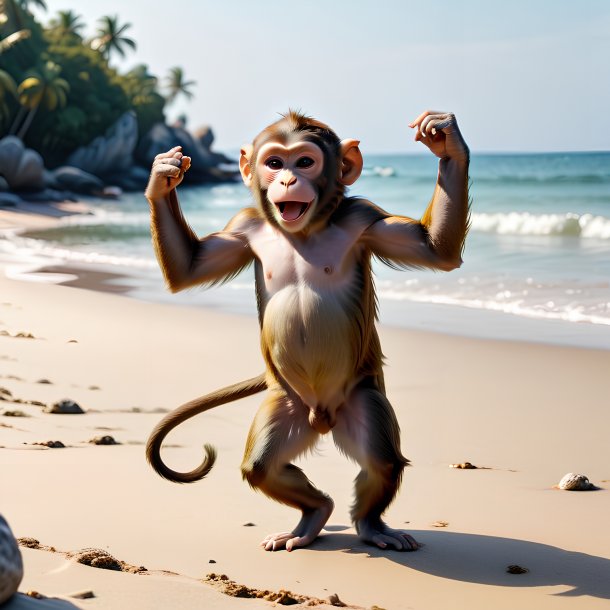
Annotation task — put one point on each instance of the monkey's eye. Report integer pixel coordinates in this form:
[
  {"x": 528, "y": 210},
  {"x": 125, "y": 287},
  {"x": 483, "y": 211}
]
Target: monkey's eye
[
  {"x": 305, "y": 162},
  {"x": 274, "y": 163}
]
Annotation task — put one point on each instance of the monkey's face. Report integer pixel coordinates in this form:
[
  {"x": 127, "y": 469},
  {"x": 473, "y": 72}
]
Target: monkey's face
[{"x": 290, "y": 175}]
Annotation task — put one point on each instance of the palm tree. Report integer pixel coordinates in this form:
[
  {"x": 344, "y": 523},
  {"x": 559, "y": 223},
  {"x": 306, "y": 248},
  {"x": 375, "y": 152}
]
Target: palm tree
[
  {"x": 140, "y": 85},
  {"x": 7, "y": 86},
  {"x": 176, "y": 85},
  {"x": 68, "y": 23},
  {"x": 110, "y": 37},
  {"x": 40, "y": 87}
]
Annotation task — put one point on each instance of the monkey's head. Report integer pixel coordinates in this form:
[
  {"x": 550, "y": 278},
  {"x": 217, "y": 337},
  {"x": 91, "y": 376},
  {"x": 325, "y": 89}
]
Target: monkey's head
[{"x": 297, "y": 169}]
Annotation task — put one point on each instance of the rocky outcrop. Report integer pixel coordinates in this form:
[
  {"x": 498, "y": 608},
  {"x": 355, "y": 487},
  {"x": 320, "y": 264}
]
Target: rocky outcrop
[
  {"x": 204, "y": 164},
  {"x": 11, "y": 564},
  {"x": 21, "y": 167},
  {"x": 110, "y": 153}
]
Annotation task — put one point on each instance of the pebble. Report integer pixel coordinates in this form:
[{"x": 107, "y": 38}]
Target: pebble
[
  {"x": 65, "y": 406},
  {"x": 575, "y": 482}
]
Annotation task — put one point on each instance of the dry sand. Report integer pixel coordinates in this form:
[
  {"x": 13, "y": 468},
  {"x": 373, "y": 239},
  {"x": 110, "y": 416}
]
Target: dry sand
[{"x": 529, "y": 413}]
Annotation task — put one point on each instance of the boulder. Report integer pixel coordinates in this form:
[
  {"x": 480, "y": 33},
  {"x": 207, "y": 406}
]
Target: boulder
[
  {"x": 204, "y": 165},
  {"x": 77, "y": 180},
  {"x": 111, "y": 152},
  {"x": 21, "y": 167},
  {"x": 11, "y": 565},
  {"x": 9, "y": 200}
]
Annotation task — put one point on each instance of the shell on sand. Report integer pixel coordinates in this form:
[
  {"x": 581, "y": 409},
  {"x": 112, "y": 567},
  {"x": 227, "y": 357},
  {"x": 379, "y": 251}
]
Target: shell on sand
[
  {"x": 11, "y": 565},
  {"x": 575, "y": 482}
]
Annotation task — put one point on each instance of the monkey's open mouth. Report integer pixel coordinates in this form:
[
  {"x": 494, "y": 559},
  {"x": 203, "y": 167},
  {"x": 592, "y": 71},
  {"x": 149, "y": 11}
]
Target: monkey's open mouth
[{"x": 292, "y": 210}]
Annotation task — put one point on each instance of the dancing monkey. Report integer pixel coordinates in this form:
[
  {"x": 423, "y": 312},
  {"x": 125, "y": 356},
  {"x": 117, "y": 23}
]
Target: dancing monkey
[{"x": 312, "y": 247}]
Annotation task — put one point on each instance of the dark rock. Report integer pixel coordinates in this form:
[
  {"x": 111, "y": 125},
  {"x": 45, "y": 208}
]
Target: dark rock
[
  {"x": 78, "y": 180},
  {"x": 109, "y": 153},
  {"x": 103, "y": 440},
  {"x": 21, "y": 167}
]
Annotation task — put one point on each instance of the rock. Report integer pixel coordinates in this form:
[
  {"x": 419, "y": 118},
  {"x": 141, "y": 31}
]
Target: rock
[
  {"x": 516, "y": 569},
  {"x": 464, "y": 466},
  {"x": 51, "y": 444},
  {"x": 11, "y": 565},
  {"x": 65, "y": 406},
  {"x": 204, "y": 164},
  {"x": 78, "y": 180},
  {"x": 48, "y": 195},
  {"x": 205, "y": 136},
  {"x": 575, "y": 482},
  {"x": 22, "y": 168},
  {"x": 103, "y": 440},
  {"x": 112, "y": 152}
]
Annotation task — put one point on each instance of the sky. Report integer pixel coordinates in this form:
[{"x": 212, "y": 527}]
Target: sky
[{"x": 521, "y": 76}]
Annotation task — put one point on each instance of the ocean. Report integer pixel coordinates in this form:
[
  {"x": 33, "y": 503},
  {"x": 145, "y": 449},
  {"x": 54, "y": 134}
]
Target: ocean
[{"x": 536, "y": 262}]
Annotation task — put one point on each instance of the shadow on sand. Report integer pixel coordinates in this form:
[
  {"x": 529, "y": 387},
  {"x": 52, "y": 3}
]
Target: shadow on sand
[{"x": 484, "y": 559}]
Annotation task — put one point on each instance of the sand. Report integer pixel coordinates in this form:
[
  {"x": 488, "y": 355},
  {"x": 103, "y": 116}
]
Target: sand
[{"x": 525, "y": 414}]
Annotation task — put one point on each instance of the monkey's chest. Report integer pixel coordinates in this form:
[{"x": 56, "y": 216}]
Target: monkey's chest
[{"x": 306, "y": 334}]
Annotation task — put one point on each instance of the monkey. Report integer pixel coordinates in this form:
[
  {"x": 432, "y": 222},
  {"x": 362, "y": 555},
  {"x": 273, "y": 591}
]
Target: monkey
[{"x": 312, "y": 247}]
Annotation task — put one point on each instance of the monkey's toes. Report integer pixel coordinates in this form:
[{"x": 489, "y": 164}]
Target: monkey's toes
[{"x": 388, "y": 538}]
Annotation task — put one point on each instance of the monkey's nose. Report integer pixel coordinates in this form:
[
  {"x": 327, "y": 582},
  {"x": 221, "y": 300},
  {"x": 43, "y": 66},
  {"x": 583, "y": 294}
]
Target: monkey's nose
[{"x": 287, "y": 180}]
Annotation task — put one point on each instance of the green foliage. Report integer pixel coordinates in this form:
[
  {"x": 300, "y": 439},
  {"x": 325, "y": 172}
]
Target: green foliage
[{"x": 57, "y": 90}]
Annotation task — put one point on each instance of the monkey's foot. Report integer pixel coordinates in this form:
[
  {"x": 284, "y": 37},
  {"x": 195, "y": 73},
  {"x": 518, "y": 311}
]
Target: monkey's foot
[
  {"x": 304, "y": 533},
  {"x": 379, "y": 534}
]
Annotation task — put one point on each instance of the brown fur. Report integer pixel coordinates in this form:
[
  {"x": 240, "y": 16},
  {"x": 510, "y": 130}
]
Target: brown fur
[{"x": 317, "y": 312}]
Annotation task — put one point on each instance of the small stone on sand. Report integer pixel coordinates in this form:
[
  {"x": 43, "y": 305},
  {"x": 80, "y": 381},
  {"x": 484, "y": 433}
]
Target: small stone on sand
[
  {"x": 515, "y": 569},
  {"x": 334, "y": 600},
  {"x": 464, "y": 466},
  {"x": 82, "y": 595},
  {"x": 249, "y": 524},
  {"x": 65, "y": 406},
  {"x": 103, "y": 440},
  {"x": 16, "y": 413},
  {"x": 575, "y": 482},
  {"x": 51, "y": 444},
  {"x": 45, "y": 381},
  {"x": 440, "y": 524}
]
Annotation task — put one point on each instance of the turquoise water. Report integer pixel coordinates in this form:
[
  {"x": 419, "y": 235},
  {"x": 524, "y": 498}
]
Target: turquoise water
[{"x": 536, "y": 262}]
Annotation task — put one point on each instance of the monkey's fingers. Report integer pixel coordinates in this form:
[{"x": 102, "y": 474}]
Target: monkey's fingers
[{"x": 170, "y": 153}]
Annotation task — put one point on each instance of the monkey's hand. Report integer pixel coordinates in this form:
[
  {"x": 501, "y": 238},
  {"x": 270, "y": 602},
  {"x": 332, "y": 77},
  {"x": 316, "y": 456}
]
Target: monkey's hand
[
  {"x": 167, "y": 173},
  {"x": 440, "y": 133}
]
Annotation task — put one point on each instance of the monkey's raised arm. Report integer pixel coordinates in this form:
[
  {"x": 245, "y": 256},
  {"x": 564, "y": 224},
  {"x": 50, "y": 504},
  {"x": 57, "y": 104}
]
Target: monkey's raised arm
[
  {"x": 185, "y": 259},
  {"x": 437, "y": 240}
]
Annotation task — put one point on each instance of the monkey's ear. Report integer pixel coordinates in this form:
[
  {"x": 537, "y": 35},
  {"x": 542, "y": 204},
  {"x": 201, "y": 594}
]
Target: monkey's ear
[
  {"x": 351, "y": 162},
  {"x": 244, "y": 163}
]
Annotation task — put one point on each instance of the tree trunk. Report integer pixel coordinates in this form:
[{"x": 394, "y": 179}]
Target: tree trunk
[
  {"x": 18, "y": 119},
  {"x": 27, "y": 122}
]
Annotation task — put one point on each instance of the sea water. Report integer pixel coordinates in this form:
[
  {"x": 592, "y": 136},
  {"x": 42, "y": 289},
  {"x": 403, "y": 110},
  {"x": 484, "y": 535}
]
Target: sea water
[{"x": 536, "y": 262}]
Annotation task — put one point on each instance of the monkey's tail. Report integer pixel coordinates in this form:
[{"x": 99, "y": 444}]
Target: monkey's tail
[{"x": 231, "y": 393}]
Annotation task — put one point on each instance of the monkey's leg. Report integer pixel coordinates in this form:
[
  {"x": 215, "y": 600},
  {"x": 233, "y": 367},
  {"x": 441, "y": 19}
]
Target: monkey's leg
[
  {"x": 281, "y": 432},
  {"x": 368, "y": 432}
]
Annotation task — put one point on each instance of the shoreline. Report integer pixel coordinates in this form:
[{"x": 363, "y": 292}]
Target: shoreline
[{"x": 445, "y": 319}]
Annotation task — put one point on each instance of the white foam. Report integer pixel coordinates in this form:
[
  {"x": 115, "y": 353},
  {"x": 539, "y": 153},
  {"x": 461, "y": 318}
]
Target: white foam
[{"x": 585, "y": 226}]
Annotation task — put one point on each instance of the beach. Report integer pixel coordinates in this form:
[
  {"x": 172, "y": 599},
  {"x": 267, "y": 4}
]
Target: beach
[{"x": 524, "y": 413}]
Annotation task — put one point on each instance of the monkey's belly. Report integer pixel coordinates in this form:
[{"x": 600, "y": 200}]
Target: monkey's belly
[{"x": 306, "y": 335}]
